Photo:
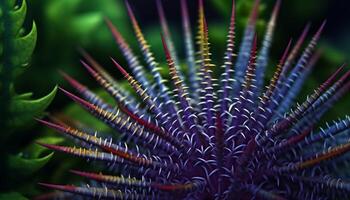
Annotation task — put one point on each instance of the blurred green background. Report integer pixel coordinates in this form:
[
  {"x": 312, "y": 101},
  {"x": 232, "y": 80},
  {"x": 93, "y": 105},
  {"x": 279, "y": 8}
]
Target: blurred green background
[{"x": 63, "y": 26}]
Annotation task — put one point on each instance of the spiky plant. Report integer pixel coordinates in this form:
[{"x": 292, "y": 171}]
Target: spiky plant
[{"x": 208, "y": 138}]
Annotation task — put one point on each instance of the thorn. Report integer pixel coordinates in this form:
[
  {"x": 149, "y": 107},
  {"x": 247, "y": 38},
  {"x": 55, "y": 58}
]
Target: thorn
[
  {"x": 130, "y": 12},
  {"x": 285, "y": 54},
  {"x": 345, "y": 76},
  {"x": 303, "y": 34},
  {"x": 120, "y": 68},
  {"x": 233, "y": 10},
  {"x": 116, "y": 34},
  {"x": 205, "y": 26},
  {"x": 91, "y": 61},
  {"x": 165, "y": 47},
  {"x": 51, "y": 125},
  {"x": 297, "y": 45},
  {"x": 254, "y": 14},
  {"x": 89, "y": 69},
  {"x": 255, "y": 42},
  {"x": 49, "y": 146},
  {"x": 276, "y": 8},
  {"x": 70, "y": 188},
  {"x": 200, "y": 3},
  {"x": 80, "y": 173},
  {"x": 319, "y": 31},
  {"x": 89, "y": 175},
  {"x": 184, "y": 10},
  {"x": 161, "y": 14},
  {"x": 74, "y": 83},
  {"x": 77, "y": 99},
  {"x": 333, "y": 76}
]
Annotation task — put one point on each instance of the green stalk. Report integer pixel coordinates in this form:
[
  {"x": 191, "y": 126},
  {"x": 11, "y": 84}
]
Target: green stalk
[{"x": 7, "y": 65}]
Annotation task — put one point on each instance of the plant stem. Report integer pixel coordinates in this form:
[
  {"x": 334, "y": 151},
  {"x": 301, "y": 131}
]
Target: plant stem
[{"x": 7, "y": 65}]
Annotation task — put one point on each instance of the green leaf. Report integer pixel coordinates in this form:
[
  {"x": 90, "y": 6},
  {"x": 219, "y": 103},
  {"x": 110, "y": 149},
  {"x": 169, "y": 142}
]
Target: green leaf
[
  {"x": 18, "y": 17},
  {"x": 24, "y": 47},
  {"x": 332, "y": 54},
  {"x": 24, "y": 110},
  {"x": 34, "y": 150},
  {"x": 54, "y": 9},
  {"x": 222, "y": 6},
  {"x": 243, "y": 7},
  {"x": 17, "y": 111},
  {"x": 24, "y": 96},
  {"x": 12, "y": 196},
  {"x": 86, "y": 22},
  {"x": 23, "y": 166}
]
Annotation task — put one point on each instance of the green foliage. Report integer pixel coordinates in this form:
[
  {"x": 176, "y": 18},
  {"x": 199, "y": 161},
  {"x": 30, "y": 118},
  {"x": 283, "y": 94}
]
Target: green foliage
[
  {"x": 17, "y": 111},
  {"x": 62, "y": 25},
  {"x": 243, "y": 7},
  {"x": 65, "y": 25},
  {"x": 83, "y": 20},
  {"x": 32, "y": 158},
  {"x": 24, "y": 166},
  {"x": 23, "y": 109},
  {"x": 12, "y": 196}
]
